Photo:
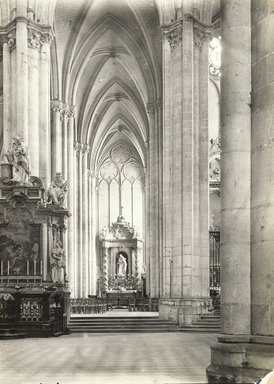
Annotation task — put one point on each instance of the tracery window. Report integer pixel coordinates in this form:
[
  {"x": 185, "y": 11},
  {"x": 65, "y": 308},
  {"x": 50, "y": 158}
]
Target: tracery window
[{"x": 121, "y": 188}]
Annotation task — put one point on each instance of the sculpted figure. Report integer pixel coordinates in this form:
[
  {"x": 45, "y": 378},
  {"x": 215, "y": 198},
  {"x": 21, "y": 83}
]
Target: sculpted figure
[
  {"x": 18, "y": 156},
  {"x": 56, "y": 193},
  {"x": 121, "y": 266},
  {"x": 57, "y": 262}
]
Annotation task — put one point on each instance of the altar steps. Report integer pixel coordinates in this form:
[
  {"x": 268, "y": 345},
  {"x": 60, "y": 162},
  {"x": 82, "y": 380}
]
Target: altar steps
[
  {"x": 9, "y": 333},
  {"x": 121, "y": 324}
]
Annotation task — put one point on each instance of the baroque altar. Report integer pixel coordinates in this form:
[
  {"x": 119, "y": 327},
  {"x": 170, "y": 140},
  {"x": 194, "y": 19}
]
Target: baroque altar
[
  {"x": 34, "y": 292},
  {"x": 122, "y": 264}
]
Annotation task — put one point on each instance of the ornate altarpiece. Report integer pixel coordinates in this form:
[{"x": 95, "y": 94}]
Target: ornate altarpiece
[
  {"x": 120, "y": 239},
  {"x": 30, "y": 301}
]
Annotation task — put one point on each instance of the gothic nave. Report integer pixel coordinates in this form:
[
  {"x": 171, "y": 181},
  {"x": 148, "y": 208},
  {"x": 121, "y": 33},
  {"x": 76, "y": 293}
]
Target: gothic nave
[{"x": 136, "y": 174}]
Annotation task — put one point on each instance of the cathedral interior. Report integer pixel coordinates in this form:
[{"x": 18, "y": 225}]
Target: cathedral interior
[{"x": 136, "y": 139}]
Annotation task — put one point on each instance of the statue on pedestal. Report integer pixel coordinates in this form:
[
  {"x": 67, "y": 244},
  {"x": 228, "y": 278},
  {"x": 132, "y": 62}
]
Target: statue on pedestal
[
  {"x": 18, "y": 156},
  {"x": 56, "y": 193},
  {"x": 121, "y": 266},
  {"x": 57, "y": 262}
]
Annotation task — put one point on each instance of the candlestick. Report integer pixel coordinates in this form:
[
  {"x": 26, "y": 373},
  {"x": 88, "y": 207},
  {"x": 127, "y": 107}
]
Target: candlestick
[
  {"x": 34, "y": 267},
  {"x": 8, "y": 271},
  {"x": 27, "y": 267}
]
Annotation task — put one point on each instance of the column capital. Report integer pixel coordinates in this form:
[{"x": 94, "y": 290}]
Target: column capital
[
  {"x": 78, "y": 148},
  {"x": 64, "y": 111},
  {"x": 37, "y": 34},
  {"x": 173, "y": 34},
  {"x": 85, "y": 149},
  {"x": 56, "y": 106},
  {"x": 71, "y": 111},
  {"x": 200, "y": 35}
]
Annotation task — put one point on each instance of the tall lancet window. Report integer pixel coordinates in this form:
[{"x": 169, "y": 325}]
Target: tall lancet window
[{"x": 121, "y": 188}]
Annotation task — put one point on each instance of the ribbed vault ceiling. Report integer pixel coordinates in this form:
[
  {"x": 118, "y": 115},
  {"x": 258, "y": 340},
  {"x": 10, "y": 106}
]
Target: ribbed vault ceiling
[{"x": 108, "y": 64}]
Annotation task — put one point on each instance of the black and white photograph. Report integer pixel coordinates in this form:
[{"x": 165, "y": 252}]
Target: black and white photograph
[{"x": 137, "y": 191}]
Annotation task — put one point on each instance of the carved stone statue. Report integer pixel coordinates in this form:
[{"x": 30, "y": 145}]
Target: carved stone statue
[
  {"x": 57, "y": 262},
  {"x": 18, "y": 156},
  {"x": 56, "y": 193},
  {"x": 121, "y": 266}
]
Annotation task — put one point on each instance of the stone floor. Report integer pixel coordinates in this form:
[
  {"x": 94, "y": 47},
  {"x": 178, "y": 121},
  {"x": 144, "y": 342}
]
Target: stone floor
[{"x": 143, "y": 358}]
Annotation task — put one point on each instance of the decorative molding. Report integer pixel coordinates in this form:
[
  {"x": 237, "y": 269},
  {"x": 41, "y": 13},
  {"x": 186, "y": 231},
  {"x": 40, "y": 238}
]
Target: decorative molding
[
  {"x": 34, "y": 39},
  {"x": 85, "y": 148},
  {"x": 38, "y": 35},
  {"x": 78, "y": 148},
  {"x": 64, "y": 112},
  {"x": 11, "y": 39},
  {"x": 199, "y": 37},
  {"x": 71, "y": 111},
  {"x": 56, "y": 106},
  {"x": 173, "y": 34}
]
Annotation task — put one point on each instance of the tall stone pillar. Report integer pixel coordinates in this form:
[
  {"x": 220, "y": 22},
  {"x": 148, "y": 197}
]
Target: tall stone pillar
[
  {"x": 24, "y": 90},
  {"x": 245, "y": 351},
  {"x": 92, "y": 185},
  {"x": 7, "y": 98},
  {"x": 56, "y": 137},
  {"x": 85, "y": 234},
  {"x": 44, "y": 110},
  {"x": 262, "y": 165},
  {"x": 235, "y": 189},
  {"x": 185, "y": 281},
  {"x": 70, "y": 199},
  {"x": 64, "y": 119},
  {"x": 77, "y": 153},
  {"x": 79, "y": 218},
  {"x": 153, "y": 274},
  {"x": 34, "y": 44},
  {"x": 21, "y": 80}
]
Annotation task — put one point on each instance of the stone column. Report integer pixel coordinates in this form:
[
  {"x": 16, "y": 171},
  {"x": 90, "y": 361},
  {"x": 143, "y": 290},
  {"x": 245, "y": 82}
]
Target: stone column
[
  {"x": 92, "y": 230},
  {"x": 79, "y": 218},
  {"x": 22, "y": 79},
  {"x": 152, "y": 209},
  {"x": 245, "y": 353},
  {"x": 262, "y": 165},
  {"x": 185, "y": 282},
  {"x": 34, "y": 45},
  {"x": 70, "y": 199},
  {"x": 235, "y": 168},
  {"x": 85, "y": 234},
  {"x": 64, "y": 119},
  {"x": 200, "y": 272},
  {"x": 56, "y": 137},
  {"x": 44, "y": 110},
  {"x": 167, "y": 167},
  {"x": 76, "y": 197},
  {"x": 7, "y": 99}
]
